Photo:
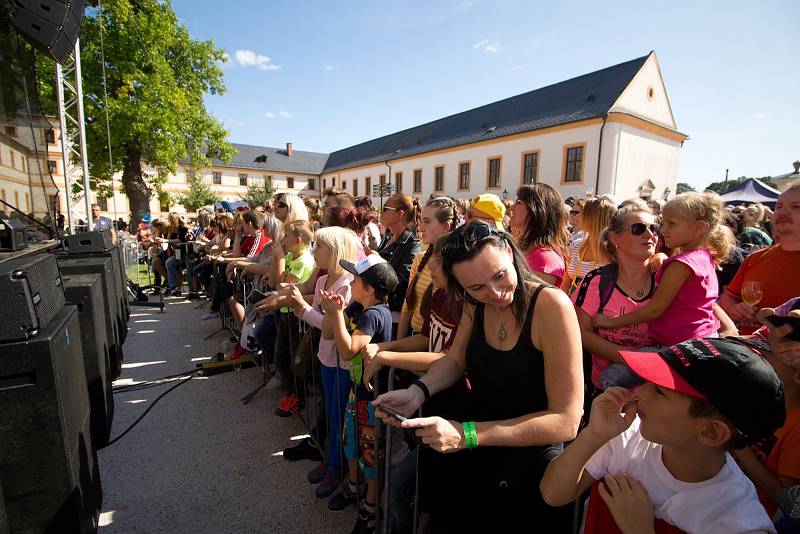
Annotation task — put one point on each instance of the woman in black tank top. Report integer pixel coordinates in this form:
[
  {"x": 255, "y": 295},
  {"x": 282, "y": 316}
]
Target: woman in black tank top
[{"x": 518, "y": 350}]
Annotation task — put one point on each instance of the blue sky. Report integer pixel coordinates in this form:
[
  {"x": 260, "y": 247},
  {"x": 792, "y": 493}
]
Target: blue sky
[{"x": 327, "y": 75}]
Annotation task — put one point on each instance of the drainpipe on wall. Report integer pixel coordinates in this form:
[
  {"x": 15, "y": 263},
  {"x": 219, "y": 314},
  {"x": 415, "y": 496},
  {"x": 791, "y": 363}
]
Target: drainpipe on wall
[
  {"x": 388, "y": 182},
  {"x": 599, "y": 156}
]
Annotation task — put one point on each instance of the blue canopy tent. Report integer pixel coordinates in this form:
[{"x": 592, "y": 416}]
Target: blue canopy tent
[
  {"x": 232, "y": 204},
  {"x": 751, "y": 191}
]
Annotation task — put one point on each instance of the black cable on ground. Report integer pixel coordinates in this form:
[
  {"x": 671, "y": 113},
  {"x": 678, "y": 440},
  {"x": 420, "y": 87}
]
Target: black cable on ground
[
  {"x": 188, "y": 379},
  {"x": 151, "y": 383}
]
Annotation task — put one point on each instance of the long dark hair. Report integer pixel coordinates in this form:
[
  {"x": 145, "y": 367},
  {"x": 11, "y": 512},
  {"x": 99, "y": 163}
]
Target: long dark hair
[
  {"x": 546, "y": 225},
  {"x": 446, "y": 212},
  {"x": 466, "y": 242}
]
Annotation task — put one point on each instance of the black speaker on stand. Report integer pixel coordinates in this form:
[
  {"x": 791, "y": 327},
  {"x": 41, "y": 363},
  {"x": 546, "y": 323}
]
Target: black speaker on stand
[
  {"x": 52, "y": 26},
  {"x": 48, "y": 468},
  {"x": 71, "y": 265},
  {"x": 86, "y": 292}
]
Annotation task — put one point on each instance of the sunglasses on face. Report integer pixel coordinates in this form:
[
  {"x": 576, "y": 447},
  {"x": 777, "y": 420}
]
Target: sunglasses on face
[
  {"x": 574, "y": 212},
  {"x": 281, "y": 205},
  {"x": 640, "y": 228}
]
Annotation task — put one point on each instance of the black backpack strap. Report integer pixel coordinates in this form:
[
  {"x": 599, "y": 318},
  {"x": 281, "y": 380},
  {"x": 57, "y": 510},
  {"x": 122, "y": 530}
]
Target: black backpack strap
[
  {"x": 584, "y": 287},
  {"x": 608, "y": 280}
]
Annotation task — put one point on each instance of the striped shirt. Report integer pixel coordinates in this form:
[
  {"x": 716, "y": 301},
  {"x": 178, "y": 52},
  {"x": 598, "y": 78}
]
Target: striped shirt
[
  {"x": 423, "y": 282},
  {"x": 577, "y": 268}
]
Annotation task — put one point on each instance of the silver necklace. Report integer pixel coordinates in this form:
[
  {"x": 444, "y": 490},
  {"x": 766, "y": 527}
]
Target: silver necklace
[{"x": 501, "y": 332}]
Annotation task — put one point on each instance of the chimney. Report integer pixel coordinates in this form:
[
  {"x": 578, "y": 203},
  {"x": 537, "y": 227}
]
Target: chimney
[
  {"x": 289, "y": 149},
  {"x": 796, "y": 166}
]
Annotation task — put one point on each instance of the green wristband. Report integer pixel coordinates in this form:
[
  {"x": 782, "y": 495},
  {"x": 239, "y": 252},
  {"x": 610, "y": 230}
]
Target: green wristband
[{"x": 470, "y": 435}]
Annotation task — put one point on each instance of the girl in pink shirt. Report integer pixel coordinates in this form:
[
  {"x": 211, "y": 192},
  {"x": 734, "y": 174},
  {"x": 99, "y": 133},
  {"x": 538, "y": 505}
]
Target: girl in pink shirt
[{"x": 683, "y": 305}]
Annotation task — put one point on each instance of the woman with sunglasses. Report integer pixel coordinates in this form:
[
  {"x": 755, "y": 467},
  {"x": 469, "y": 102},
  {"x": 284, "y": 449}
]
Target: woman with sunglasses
[
  {"x": 402, "y": 219},
  {"x": 525, "y": 391}
]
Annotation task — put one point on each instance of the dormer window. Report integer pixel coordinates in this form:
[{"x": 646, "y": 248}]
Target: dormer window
[{"x": 261, "y": 159}]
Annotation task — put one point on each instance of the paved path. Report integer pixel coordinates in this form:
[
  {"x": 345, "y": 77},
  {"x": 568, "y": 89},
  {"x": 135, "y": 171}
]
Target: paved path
[{"x": 201, "y": 461}]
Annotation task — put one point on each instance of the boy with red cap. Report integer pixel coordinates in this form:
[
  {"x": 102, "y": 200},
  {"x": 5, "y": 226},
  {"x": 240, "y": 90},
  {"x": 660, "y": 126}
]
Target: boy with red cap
[{"x": 660, "y": 449}]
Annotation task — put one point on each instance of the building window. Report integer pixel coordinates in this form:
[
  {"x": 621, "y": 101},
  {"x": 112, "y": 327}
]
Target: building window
[
  {"x": 530, "y": 168},
  {"x": 290, "y": 182},
  {"x": 398, "y": 182},
  {"x": 10, "y": 130},
  {"x": 55, "y": 203},
  {"x": 344, "y": 185},
  {"x": 324, "y": 184},
  {"x": 368, "y": 186},
  {"x": 463, "y": 175},
  {"x": 438, "y": 178},
  {"x": 268, "y": 179},
  {"x": 243, "y": 179},
  {"x": 50, "y": 136},
  {"x": 382, "y": 179},
  {"x": 355, "y": 187},
  {"x": 217, "y": 178},
  {"x": 3, "y": 194},
  {"x": 333, "y": 182},
  {"x": 52, "y": 167},
  {"x": 312, "y": 184},
  {"x": 493, "y": 173},
  {"x": 573, "y": 163},
  {"x": 27, "y": 203},
  {"x": 417, "y": 180},
  {"x": 189, "y": 174},
  {"x": 103, "y": 203}
]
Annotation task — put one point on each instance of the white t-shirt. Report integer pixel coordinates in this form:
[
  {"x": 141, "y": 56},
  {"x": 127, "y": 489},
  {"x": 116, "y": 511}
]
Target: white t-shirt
[{"x": 726, "y": 503}]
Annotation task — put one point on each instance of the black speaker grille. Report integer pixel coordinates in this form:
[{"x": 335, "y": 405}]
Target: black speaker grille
[{"x": 31, "y": 288}]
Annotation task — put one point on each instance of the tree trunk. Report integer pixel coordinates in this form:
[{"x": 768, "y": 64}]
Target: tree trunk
[{"x": 135, "y": 187}]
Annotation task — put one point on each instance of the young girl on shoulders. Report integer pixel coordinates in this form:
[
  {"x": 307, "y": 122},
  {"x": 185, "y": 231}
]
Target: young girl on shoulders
[{"x": 683, "y": 305}]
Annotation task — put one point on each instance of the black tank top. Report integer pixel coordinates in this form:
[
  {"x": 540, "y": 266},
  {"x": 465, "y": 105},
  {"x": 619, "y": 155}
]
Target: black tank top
[{"x": 506, "y": 383}]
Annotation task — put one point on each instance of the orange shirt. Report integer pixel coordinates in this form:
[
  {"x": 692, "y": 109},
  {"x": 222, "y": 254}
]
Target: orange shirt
[{"x": 776, "y": 269}]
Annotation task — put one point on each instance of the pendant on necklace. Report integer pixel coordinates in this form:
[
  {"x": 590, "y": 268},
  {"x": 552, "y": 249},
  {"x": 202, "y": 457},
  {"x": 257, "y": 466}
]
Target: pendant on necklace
[
  {"x": 501, "y": 333},
  {"x": 640, "y": 293}
]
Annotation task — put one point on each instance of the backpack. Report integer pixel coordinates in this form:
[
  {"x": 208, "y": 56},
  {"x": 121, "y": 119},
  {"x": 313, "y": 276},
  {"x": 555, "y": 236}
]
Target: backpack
[{"x": 608, "y": 280}]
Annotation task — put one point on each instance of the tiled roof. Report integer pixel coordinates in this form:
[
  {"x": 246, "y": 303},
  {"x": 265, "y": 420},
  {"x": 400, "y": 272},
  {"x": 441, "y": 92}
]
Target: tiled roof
[
  {"x": 584, "y": 97},
  {"x": 276, "y": 160}
]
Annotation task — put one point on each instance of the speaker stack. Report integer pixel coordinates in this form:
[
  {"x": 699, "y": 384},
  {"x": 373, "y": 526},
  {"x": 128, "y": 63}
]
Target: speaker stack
[
  {"x": 52, "y": 26},
  {"x": 48, "y": 466}
]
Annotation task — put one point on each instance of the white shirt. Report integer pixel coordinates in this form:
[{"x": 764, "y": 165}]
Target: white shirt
[{"x": 726, "y": 503}]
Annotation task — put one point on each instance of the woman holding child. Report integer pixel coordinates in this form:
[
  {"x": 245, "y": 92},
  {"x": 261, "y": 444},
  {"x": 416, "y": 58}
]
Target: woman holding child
[{"x": 525, "y": 390}]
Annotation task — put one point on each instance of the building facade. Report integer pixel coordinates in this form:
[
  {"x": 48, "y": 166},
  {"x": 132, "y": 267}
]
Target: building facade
[{"x": 609, "y": 131}]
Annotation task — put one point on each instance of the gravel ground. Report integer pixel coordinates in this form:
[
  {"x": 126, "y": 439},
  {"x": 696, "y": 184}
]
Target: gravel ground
[{"x": 201, "y": 461}]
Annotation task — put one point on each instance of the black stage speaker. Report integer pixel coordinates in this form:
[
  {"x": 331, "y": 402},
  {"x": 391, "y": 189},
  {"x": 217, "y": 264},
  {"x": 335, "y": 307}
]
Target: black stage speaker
[
  {"x": 52, "y": 26},
  {"x": 31, "y": 288},
  {"x": 13, "y": 235},
  {"x": 94, "y": 250},
  {"x": 83, "y": 242},
  {"x": 69, "y": 265},
  {"x": 4, "y": 528},
  {"x": 86, "y": 292},
  {"x": 51, "y": 480}
]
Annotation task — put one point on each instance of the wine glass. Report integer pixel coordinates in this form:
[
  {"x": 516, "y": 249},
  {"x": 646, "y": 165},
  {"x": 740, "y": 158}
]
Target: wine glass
[{"x": 752, "y": 292}]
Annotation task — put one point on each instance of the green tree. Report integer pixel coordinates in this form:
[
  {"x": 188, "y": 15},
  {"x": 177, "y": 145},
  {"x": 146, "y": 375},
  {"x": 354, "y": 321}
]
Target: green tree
[
  {"x": 198, "y": 195},
  {"x": 258, "y": 193},
  {"x": 157, "y": 76},
  {"x": 683, "y": 187}
]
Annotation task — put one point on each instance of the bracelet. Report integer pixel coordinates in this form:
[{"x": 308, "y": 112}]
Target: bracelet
[
  {"x": 421, "y": 385},
  {"x": 470, "y": 435}
]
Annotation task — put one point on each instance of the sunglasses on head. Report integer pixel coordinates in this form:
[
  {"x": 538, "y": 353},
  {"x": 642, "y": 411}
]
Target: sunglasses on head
[
  {"x": 389, "y": 208},
  {"x": 281, "y": 205},
  {"x": 462, "y": 243},
  {"x": 640, "y": 228}
]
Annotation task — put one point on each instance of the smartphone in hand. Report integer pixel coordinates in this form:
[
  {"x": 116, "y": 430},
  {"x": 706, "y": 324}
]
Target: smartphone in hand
[{"x": 385, "y": 408}]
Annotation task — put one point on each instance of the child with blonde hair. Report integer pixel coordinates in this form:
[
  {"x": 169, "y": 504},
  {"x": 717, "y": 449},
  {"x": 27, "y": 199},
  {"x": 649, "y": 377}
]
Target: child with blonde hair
[{"x": 683, "y": 305}]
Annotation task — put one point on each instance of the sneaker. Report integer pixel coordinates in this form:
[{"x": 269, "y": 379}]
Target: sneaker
[
  {"x": 342, "y": 500},
  {"x": 302, "y": 451},
  {"x": 288, "y": 405},
  {"x": 168, "y": 292},
  {"x": 317, "y": 475},
  {"x": 207, "y": 316},
  {"x": 329, "y": 484},
  {"x": 365, "y": 523},
  {"x": 193, "y": 295},
  {"x": 176, "y": 292},
  {"x": 237, "y": 353}
]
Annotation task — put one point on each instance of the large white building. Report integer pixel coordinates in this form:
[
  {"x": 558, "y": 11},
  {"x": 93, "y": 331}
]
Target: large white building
[{"x": 609, "y": 131}]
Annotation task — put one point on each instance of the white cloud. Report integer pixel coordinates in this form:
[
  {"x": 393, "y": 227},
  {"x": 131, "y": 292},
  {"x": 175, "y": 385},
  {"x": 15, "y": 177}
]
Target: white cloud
[
  {"x": 268, "y": 115},
  {"x": 759, "y": 116},
  {"x": 248, "y": 58},
  {"x": 329, "y": 67},
  {"x": 487, "y": 46},
  {"x": 285, "y": 114}
]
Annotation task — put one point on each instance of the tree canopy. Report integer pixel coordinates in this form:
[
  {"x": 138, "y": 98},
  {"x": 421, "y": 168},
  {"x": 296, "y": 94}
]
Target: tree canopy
[
  {"x": 157, "y": 76},
  {"x": 198, "y": 195},
  {"x": 258, "y": 192}
]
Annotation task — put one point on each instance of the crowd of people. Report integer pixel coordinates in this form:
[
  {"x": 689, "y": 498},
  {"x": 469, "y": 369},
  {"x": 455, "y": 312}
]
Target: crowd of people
[{"x": 541, "y": 351}]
